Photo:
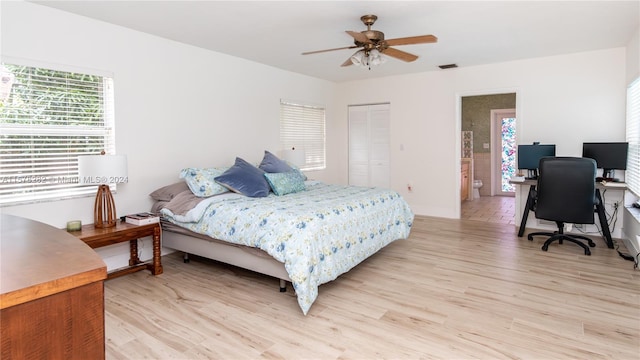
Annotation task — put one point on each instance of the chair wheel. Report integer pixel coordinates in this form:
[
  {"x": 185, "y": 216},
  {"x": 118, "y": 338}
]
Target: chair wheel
[
  {"x": 530, "y": 238},
  {"x": 545, "y": 247},
  {"x": 587, "y": 252},
  {"x": 592, "y": 244}
]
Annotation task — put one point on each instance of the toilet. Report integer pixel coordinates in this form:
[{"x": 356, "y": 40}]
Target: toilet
[{"x": 477, "y": 184}]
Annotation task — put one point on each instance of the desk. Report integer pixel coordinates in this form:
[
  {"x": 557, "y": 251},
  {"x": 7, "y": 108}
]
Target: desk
[
  {"x": 599, "y": 208},
  {"x": 51, "y": 293}
]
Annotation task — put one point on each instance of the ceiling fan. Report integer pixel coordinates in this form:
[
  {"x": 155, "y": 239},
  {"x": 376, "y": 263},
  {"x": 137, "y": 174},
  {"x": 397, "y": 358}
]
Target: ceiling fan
[{"x": 373, "y": 44}]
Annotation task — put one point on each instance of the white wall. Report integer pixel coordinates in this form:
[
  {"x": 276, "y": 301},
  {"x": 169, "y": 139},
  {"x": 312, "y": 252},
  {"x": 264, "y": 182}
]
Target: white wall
[
  {"x": 175, "y": 105},
  {"x": 562, "y": 99},
  {"x": 633, "y": 57}
]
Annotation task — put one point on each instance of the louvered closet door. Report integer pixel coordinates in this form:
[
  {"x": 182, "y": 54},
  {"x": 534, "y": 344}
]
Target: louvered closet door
[{"x": 369, "y": 145}]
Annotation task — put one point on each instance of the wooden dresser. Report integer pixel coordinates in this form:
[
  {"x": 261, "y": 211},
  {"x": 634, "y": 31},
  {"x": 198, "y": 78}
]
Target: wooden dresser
[{"x": 51, "y": 293}]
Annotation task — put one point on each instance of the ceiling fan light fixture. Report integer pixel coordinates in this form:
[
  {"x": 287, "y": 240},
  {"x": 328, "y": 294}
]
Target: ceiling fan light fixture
[
  {"x": 358, "y": 58},
  {"x": 376, "y": 58},
  {"x": 368, "y": 58}
]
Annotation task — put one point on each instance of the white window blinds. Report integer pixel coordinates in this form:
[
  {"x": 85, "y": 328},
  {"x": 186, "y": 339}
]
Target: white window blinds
[
  {"x": 47, "y": 119},
  {"x": 303, "y": 127},
  {"x": 632, "y": 174}
]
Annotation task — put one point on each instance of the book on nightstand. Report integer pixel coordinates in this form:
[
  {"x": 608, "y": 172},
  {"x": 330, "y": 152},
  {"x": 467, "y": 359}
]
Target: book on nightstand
[{"x": 142, "y": 219}]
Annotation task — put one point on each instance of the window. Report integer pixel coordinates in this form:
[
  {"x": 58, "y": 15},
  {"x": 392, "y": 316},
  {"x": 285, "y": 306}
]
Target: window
[
  {"x": 48, "y": 118},
  {"x": 303, "y": 127},
  {"x": 632, "y": 174}
]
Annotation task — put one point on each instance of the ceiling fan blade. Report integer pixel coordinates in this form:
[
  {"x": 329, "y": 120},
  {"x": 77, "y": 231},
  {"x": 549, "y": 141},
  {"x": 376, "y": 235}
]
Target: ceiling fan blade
[
  {"x": 399, "y": 54},
  {"x": 423, "y": 39},
  {"x": 321, "y": 51},
  {"x": 360, "y": 37}
]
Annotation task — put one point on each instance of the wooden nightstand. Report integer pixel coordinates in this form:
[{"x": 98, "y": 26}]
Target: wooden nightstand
[{"x": 95, "y": 238}]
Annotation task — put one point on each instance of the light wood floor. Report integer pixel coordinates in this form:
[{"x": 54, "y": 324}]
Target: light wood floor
[{"x": 456, "y": 289}]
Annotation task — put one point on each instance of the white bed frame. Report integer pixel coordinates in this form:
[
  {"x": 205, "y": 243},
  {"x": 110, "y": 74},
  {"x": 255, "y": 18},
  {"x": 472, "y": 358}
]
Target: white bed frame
[{"x": 231, "y": 254}]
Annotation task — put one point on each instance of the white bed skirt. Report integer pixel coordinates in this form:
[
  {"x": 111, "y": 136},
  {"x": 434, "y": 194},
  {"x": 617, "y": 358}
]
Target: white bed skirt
[{"x": 237, "y": 255}]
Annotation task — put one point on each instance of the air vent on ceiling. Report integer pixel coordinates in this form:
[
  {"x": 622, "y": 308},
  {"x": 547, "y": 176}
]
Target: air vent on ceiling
[{"x": 448, "y": 66}]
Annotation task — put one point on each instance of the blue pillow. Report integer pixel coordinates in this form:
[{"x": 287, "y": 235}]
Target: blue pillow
[
  {"x": 286, "y": 182},
  {"x": 272, "y": 164},
  {"x": 201, "y": 181},
  {"x": 244, "y": 178}
]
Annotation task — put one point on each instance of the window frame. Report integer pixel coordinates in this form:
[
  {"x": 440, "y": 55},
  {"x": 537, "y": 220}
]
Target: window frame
[
  {"x": 632, "y": 173},
  {"x": 49, "y": 171}
]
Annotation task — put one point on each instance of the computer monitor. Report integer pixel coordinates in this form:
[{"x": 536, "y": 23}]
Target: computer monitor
[
  {"x": 609, "y": 156},
  {"x": 529, "y": 157}
]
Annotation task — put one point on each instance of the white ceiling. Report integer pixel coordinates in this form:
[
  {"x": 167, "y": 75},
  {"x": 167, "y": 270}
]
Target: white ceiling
[{"x": 469, "y": 32}]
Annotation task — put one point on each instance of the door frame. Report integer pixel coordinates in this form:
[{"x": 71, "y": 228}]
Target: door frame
[
  {"x": 458, "y": 137},
  {"x": 496, "y": 158}
]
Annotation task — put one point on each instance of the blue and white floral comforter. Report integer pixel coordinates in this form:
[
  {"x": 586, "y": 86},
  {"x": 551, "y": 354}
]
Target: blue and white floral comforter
[{"x": 318, "y": 233}]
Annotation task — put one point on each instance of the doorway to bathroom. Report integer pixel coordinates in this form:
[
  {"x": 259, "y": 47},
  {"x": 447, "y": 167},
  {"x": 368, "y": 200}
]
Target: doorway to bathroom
[
  {"x": 478, "y": 123},
  {"x": 490, "y": 120}
]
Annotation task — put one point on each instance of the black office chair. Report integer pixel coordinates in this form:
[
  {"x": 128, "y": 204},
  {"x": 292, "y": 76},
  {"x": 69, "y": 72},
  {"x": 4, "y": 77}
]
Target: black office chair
[{"x": 566, "y": 193}]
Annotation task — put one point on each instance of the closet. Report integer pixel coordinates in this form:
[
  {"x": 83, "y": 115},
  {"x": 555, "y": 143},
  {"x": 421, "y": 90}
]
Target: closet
[{"x": 369, "y": 145}]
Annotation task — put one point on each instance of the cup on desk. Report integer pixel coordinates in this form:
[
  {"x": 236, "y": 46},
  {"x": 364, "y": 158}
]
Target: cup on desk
[{"x": 74, "y": 225}]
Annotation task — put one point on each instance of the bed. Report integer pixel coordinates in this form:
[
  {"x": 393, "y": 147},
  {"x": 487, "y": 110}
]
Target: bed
[{"x": 308, "y": 237}]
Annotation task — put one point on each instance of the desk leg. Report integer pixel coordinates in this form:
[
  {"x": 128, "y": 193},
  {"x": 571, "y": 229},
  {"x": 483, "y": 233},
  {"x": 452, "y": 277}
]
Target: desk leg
[
  {"x": 133, "y": 252},
  {"x": 156, "y": 266},
  {"x": 603, "y": 220},
  {"x": 525, "y": 213}
]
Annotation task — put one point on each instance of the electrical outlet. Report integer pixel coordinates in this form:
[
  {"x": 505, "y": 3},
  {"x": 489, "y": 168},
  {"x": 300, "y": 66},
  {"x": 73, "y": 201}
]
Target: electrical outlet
[{"x": 613, "y": 205}]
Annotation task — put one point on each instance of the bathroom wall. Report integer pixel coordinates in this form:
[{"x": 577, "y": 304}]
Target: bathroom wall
[{"x": 476, "y": 117}]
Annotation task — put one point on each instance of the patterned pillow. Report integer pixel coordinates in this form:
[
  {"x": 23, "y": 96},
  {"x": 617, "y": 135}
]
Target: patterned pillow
[
  {"x": 295, "y": 168},
  {"x": 201, "y": 181},
  {"x": 272, "y": 164},
  {"x": 286, "y": 182},
  {"x": 245, "y": 179}
]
